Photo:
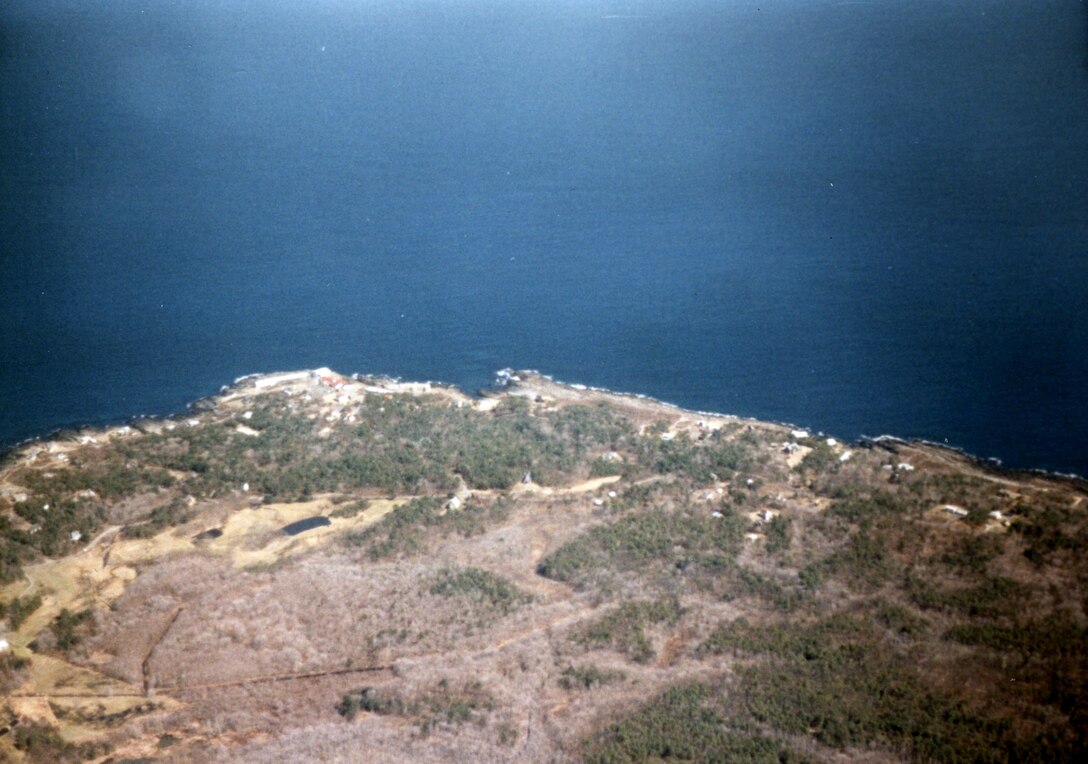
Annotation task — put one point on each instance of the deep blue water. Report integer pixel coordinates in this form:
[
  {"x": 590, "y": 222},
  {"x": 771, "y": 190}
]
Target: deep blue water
[{"x": 862, "y": 217}]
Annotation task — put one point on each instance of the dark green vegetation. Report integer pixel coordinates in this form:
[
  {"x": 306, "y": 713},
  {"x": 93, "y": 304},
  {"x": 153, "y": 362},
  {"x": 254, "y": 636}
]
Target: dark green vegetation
[
  {"x": 19, "y": 609},
  {"x": 68, "y": 628},
  {"x": 683, "y": 724},
  {"x": 176, "y": 512},
  {"x": 400, "y": 444},
  {"x": 349, "y": 508},
  {"x": 98, "y": 714},
  {"x": 41, "y": 743},
  {"x": 717, "y": 458},
  {"x": 838, "y": 680},
  {"x": 588, "y": 677},
  {"x": 647, "y": 539},
  {"x": 624, "y": 629},
  {"x": 885, "y": 669},
  {"x": 480, "y": 587},
  {"x": 404, "y": 530},
  {"x": 12, "y": 669},
  {"x": 442, "y": 705}
]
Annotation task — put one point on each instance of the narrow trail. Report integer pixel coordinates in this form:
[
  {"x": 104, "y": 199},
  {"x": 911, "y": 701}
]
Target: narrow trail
[
  {"x": 276, "y": 678},
  {"x": 31, "y": 585},
  {"x": 101, "y": 695},
  {"x": 521, "y": 636},
  {"x": 112, "y": 529},
  {"x": 145, "y": 666},
  {"x": 303, "y": 675}
]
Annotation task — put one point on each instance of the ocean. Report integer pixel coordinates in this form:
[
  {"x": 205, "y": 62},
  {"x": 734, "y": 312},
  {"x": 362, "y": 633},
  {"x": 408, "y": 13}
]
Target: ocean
[{"x": 860, "y": 217}]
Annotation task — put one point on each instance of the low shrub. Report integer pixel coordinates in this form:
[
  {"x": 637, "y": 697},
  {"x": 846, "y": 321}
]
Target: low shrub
[
  {"x": 479, "y": 586},
  {"x": 587, "y": 677},
  {"x": 624, "y": 628}
]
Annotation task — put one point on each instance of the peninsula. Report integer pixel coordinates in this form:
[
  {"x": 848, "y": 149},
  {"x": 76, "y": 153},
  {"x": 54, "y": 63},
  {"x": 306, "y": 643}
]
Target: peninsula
[{"x": 318, "y": 567}]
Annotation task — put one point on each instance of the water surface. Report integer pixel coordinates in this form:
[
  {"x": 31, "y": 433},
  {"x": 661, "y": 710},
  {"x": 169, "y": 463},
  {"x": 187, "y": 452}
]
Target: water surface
[{"x": 861, "y": 217}]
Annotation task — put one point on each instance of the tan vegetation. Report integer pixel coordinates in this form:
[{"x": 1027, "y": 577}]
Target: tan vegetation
[{"x": 666, "y": 584}]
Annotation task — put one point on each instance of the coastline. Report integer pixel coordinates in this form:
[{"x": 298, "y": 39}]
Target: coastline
[
  {"x": 728, "y": 513},
  {"x": 509, "y": 380}
]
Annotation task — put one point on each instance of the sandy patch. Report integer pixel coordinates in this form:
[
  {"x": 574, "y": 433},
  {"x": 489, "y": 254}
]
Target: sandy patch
[
  {"x": 33, "y": 710},
  {"x": 251, "y": 536}
]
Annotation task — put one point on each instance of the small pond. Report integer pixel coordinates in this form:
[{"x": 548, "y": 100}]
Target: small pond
[{"x": 309, "y": 523}]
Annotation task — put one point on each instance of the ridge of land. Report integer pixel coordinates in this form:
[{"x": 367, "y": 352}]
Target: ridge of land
[{"x": 544, "y": 572}]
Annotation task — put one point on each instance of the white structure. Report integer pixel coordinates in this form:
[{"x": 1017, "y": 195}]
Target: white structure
[
  {"x": 952, "y": 509},
  {"x": 904, "y": 467},
  {"x": 846, "y": 456},
  {"x": 453, "y": 504},
  {"x": 4, "y": 646},
  {"x": 75, "y": 535},
  {"x": 799, "y": 434}
]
